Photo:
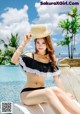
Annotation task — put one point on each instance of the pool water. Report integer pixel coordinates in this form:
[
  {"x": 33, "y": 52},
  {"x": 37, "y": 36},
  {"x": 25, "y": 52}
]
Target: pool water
[
  {"x": 11, "y": 73},
  {"x": 12, "y": 81},
  {"x": 10, "y": 91}
]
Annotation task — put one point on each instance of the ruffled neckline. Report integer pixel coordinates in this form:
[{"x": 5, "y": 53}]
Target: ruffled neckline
[
  {"x": 37, "y": 60},
  {"x": 33, "y": 66}
]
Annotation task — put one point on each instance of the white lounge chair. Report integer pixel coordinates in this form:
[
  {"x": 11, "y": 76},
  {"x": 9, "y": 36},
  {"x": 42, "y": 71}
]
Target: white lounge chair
[
  {"x": 19, "y": 108},
  {"x": 37, "y": 109}
]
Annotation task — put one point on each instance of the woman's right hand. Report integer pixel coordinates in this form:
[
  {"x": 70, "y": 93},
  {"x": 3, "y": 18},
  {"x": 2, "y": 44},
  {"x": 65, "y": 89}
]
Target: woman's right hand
[{"x": 27, "y": 38}]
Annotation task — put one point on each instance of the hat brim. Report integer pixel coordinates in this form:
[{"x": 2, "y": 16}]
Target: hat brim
[{"x": 45, "y": 34}]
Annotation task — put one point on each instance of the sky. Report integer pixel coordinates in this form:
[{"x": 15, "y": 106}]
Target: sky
[{"x": 17, "y": 16}]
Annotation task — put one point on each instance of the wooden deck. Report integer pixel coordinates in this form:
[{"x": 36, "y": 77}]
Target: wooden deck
[{"x": 71, "y": 80}]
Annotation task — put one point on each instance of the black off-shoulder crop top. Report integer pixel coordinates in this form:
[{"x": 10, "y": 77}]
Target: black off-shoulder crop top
[{"x": 31, "y": 65}]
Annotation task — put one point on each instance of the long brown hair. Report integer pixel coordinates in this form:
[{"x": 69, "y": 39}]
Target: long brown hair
[{"x": 49, "y": 49}]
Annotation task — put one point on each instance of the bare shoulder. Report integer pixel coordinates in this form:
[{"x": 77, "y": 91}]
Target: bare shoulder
[{"x": 29, "y": 54}]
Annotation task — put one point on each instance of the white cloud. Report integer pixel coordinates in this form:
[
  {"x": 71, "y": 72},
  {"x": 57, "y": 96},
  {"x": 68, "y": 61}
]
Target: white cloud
[
  {"x": 14, "y": 21},
  {"x": 54, "y": 39},
  {"x": 13, "y": 15},
  {"x": 77, "y": 39},
  {"x": 50, "y": 15}
]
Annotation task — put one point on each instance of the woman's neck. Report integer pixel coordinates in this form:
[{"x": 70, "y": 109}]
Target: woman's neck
[{"x": 43, "y": 53}]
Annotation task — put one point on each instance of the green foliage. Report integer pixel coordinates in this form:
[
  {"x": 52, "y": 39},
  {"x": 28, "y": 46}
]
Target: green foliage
[
  {"x": 65, "y": 24},
  {"x": 0, "y": 51},
  {"x": 5, "y": 57},
  {"x": 71, "y": 27},
  {"x": 13, "y": 42},
  {"x": 64, "y": 42}
]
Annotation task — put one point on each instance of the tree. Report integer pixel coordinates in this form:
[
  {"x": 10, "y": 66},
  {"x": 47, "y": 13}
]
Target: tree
[
  {"x": 10, "y": 47},
  {"x": 71, "y": 28},
  {"x": 74, "y": 27},
  {"x": 66, "y": 42},
  {"x": 13, "y": 42},
  {"x": 65, "y": 25}
]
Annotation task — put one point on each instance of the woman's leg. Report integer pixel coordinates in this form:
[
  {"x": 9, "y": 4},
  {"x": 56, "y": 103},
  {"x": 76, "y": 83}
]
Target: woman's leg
[
  {"x": 66, "y": 101},
  {"x": 39, "y": 96}
]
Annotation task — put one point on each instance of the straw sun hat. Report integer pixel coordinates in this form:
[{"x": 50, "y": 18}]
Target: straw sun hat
[{"x": 39, "y": 31}]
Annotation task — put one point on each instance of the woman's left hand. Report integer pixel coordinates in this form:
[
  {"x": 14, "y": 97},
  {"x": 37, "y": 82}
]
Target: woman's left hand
[{"x": 71, "y": 96}]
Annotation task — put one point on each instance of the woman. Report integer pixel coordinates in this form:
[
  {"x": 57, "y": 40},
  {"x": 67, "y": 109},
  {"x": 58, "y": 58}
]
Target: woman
[{"x": 37, "y": 66}]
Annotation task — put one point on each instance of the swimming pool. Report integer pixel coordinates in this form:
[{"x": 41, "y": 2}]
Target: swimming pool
[{"x": 12, "y": 80}]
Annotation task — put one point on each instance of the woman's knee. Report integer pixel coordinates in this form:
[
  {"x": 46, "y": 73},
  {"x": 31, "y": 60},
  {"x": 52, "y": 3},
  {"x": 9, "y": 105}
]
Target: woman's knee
[
  {"x": 56, "y": 90},
  {"x": 49, "y": 93},
  {"x": 59, "y": 93}
]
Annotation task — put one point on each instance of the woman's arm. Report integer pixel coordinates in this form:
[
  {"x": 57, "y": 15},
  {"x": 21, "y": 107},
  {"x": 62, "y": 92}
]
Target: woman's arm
[
  {"x": 16, "y": 55},
  {"x": 58, "y": 79},
  {"x": 60, "y": 85},
  {"x": 59, "y": 82}
]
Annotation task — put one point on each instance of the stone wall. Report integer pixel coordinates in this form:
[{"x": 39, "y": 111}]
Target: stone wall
[{"x": 72, "y": 62}]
